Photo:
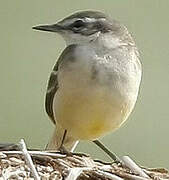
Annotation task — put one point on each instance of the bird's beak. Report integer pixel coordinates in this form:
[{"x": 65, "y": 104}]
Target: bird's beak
[{"x": 51, "y": 28}]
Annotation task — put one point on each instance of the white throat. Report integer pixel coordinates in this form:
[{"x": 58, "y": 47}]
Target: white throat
[
  {"x": 98, "y": 40},
  {"x": 79, "y": 39}
]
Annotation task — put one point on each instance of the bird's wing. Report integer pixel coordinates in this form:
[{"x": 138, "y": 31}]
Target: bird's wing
[{"x": 53, "y": 84}]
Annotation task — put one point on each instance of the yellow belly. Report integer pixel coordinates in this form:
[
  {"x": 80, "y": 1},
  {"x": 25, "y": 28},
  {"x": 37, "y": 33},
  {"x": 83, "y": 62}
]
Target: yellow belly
[{"x": 88, "y": 115}]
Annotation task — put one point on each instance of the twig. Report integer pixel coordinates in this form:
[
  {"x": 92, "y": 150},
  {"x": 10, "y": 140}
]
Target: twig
[
  {"x": 57, "y": 166},
  {"x": 133, "y": 166},
  {"x": 28, "y": 159},
  {"x": 125, "y": 175},
  {"x": 41, "y": 153},
  {"x": 110, "y": 176},
  {"x": 75, "y": 173}
]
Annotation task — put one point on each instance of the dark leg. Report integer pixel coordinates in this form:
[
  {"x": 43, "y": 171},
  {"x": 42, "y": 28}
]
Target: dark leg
[
  {"x": 62, "y": 148},
  {"x": 109, "y": 153},
  {"x": 63, "y": 139}
]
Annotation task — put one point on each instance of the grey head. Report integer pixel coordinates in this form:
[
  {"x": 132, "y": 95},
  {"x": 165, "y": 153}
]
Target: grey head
[{"x": 84, "y": 26}]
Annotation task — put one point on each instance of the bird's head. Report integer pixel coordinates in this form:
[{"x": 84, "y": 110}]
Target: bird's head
[{"x": 85, "y": 26}]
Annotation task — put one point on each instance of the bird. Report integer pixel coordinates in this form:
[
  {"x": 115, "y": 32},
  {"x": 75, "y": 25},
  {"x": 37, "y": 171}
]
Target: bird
[{"x": 95, "y": 82}]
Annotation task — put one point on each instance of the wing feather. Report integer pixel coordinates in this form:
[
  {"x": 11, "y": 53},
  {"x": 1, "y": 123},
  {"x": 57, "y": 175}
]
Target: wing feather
[{"x": 53, "y": 83}]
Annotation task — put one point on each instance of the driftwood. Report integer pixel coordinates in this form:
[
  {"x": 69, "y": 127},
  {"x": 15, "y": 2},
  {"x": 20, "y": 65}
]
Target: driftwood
[{"x": 16, "y": 162}]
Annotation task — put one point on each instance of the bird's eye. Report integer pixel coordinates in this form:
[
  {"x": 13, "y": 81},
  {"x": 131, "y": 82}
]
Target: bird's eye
[{"x": 78, "y": 24}]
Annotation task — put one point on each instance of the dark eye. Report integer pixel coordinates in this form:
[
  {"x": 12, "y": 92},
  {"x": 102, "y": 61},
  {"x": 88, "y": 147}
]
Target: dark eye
[{"x": 78, "y": 24}]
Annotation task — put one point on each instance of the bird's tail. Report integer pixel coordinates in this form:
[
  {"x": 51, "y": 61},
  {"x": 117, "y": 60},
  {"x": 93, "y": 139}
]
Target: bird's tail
[{"x": 55, "y": 142}]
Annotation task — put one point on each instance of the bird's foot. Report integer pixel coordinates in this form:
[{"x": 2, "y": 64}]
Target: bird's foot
[
  {"x": 63, "y": 150},
  {"x": 119, "y": 163}
]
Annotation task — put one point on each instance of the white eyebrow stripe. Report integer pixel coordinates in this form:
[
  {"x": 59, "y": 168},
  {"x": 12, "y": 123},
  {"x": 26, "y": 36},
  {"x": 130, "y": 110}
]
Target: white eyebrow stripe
[
  {"x": 86, "y": 19},
  {"x": 68, "y": 22}
]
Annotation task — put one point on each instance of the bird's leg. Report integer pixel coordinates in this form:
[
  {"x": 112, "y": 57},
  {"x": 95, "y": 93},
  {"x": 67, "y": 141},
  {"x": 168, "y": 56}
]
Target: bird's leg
[
  {"x": 109, "y": 153},
  {"x": 62, "y": 148}
]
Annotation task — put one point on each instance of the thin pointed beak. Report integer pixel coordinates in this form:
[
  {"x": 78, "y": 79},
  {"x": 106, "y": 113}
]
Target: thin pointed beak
[{"x": 49, "y": 28}]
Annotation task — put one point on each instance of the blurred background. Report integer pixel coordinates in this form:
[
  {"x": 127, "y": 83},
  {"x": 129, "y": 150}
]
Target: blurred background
[{"x": 27, "y": 57}]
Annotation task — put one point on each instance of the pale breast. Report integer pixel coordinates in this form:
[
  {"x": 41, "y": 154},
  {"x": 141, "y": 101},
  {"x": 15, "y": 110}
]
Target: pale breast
[{"x": 95, "y": 96}]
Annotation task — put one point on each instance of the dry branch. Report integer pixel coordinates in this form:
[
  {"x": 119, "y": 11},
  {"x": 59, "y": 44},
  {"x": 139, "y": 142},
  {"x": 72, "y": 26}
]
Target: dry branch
[{"x": 57, "y": 166}]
